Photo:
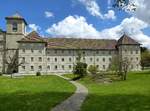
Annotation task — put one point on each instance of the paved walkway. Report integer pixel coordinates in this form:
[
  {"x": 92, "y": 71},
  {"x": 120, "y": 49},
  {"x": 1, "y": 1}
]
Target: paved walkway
[{"x": 74, "y": 102}]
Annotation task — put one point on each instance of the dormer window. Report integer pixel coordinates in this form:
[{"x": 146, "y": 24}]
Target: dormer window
[{"x": 14, "y": 27}]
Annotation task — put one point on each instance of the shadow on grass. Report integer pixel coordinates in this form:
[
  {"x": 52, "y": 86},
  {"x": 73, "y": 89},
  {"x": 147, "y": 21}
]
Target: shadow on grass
[
  {"x": 26, "y": 101},
  {"x": 117, "y": 103}
]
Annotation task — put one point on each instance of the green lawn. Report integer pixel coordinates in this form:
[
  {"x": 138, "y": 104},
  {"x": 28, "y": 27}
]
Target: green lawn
[
  {"x": 33, "y": 93},
  {"x": 130, "y": 95}
]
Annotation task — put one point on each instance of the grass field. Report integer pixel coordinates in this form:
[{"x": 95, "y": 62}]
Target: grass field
[
  {"x": 33, "y": 93},
  {"x": 130, "y": 95}
]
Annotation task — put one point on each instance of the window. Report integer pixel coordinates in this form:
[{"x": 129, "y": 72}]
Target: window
[
  {"x": 131, "y": 66},
  {"x": 14, "y": 27},
  {"x": 23, "y": 67},
  {"x": 63, "y": 67},
  {"x": 40, "y": 59},
  {"x": 23, "y": 59},
  {"x": 70, "y": 59},
  {"x": 62, "y": 51},
  {"x": 97, "y": 66},
  {"x": 131, "y": 52},
  {"x": 97, "y": 52},
  {"x": 70, "y": 66},
  {"x": 40, "y": 51},
  {"x": 48, "y": 67},
  {"x": 55, "y": 51},
  {"x": 109, "y": 52},
  {"x": 23, "y": 50},
  {"x": 62, "y": 59},
  {"x": 91, "y": 59},
  {"x": 32, "y": 50},
  {"x": 32, "y": 59},
  {"x": 40, "y": 68},
  {"x": 125, "y": 50},
  {"x": 103, "y": 52},
  {"x": 48, "y": 59},
  {"x": 131, "y": 58},
  {"x": 56, "y": 67},
  {"x": 97, "y": 59},
  {"x": 137, "y": 51},
  {"x": 83, "y": 58},
  {"x": 109, "y": 59},
  {"x": 137, "y": 58},
  {"x": 103, "y": 59},
  {"x": 83, "y": 52},
  {"x": 103, "y": 66},
  {"x": 69, "y": 51},
  {"x": 55, "y": 59},
  {"x": 32, "y": 68}
]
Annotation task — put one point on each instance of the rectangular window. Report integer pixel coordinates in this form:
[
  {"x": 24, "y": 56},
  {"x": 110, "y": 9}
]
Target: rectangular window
[
  {"x": 91, "y": 59},
  {"x": 23, "y": 59},
  {"x": 55, "y": 51},
  {"x": 137, "y": 51},
  {"x": 40, "y": 59},
  {"x": 63, "y": 67},
  {"x": 70, "y": 66},
  {"x": 48, "y": 67},
  {"x": 40, "y": 68},
  {"x": 40, "y": 51},
  {"x": 32, "y": 50},
  {"x": 23, "y": 50},
  {"x": 70, "y": 59},
  {"x": 32, "y": 68},
  {"x": 14, "y": 27},
  {"x": 97, "y": 66},
  {"x": 62, "y": 51},
  {"x": 109, "y": 59},
  {"x": 48, "y": 59},
  {"x": 97, "y": 59},
  {"x": 32, "y": 59},
  {"x": 56, "y": 67},
  {"x": 103, "y": 59},
  {"x": 103, "y": 66},
  {"x": 55, "y": 59},
  {"x": 62, "y": 59},
  {"x": 137, "y": 58}
]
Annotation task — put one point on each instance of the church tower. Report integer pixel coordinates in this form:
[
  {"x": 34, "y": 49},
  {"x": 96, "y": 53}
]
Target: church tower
[{"x": 16, "y": 29}]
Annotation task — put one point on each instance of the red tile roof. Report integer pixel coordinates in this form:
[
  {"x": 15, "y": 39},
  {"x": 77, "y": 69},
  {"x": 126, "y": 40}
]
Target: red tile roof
[{"x": 74, "y": 43}]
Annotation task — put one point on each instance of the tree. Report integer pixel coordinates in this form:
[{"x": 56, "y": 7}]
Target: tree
[
  {"x": 125, "y": 63},
  {"x": 114, "y": 65},
  {"x": 80, "y": 68},
  {"x": 125, "y": 5},
  {"x": 13, "y": 63},
  {"x": 93, "y": 69},
  {"x": 145, "y": 59}
]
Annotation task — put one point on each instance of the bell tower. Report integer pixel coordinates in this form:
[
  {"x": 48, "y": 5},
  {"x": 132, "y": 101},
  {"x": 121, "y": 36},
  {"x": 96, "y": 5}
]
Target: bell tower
[{"x": 16, "y": 29}]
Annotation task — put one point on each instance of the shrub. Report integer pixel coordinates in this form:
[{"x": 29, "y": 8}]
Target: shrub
[
  {"x": 38, "y": 73},
  {"x": 1, "y": 74},
  {"x": 80, "y": 69}
]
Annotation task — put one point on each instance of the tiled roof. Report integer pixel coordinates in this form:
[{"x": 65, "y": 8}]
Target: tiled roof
[
  {"x": 75, "y": 43},
  {"x": 72, "y": 43},
  {"x": 127, "y": 40},
  {"x": 33, "y": 37}
]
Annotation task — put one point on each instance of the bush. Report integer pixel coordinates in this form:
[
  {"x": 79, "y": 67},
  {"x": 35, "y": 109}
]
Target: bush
[
  {"x": 1, "y": 74},
  {"x": 80, "y": 69},
  {"x": 93, "y": 70},
  {"x": 38, "y": 73}
]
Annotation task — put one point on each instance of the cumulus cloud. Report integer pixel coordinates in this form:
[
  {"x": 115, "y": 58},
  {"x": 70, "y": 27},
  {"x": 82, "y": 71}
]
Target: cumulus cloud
[
  {"x": 48, "y": 14},
  {"x": 94, "y": 9},
  {"x": 110, "y": 15},
  {"x": 73, "y": 26},
  {"x": 142, "y": 9},
  {"x": 34, "y": 27},
  {"x": 77, "y": 27}
]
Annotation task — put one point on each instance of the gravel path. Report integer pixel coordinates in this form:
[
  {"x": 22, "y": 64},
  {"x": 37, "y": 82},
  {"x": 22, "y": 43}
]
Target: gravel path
[{"x": 74, "y": 102}]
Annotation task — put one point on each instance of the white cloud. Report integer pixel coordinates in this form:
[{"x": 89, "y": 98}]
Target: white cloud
[
  {"x": 48, "y": 14},
  {"x": 34, "y": 27},
  {"x": 110, "y": 15},
  {"x": 94, "y": 9},
  {"x": 77, "y": 27},
  {"x": 142, "y": 9},
  {"x": 73, "y": 26}
]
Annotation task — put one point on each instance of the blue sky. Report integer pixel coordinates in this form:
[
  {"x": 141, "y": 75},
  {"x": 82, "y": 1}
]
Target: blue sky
[{"x": 93, "y": 15}]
